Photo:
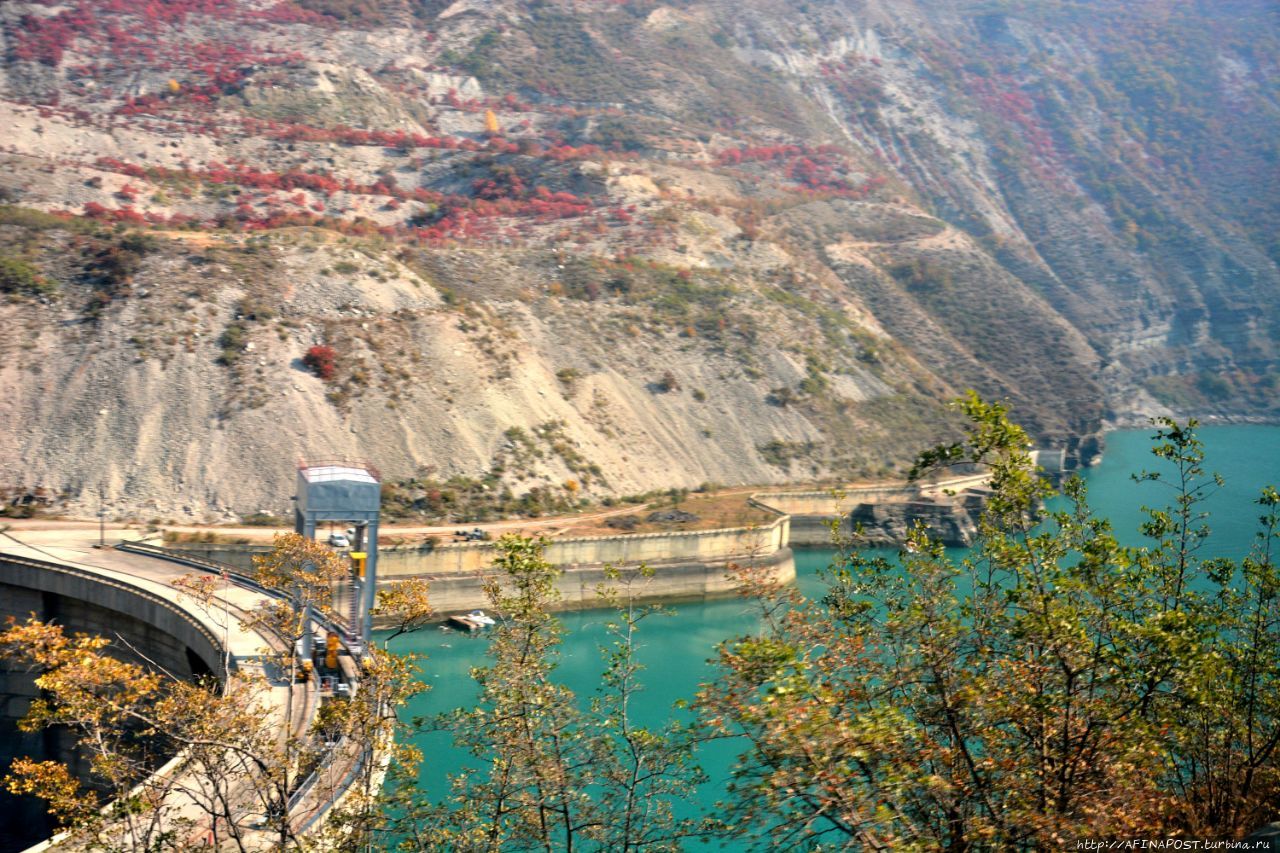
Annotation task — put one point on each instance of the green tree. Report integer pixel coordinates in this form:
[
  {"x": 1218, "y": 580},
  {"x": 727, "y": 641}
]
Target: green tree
[
  {"x": 20, "y": 276},
  {"x": 561, "y": 776},
  {"x": 1051, "y": 685}
]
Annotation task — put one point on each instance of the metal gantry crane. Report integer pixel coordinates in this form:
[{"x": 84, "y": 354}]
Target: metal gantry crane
[{"x": 349, "y": 492}]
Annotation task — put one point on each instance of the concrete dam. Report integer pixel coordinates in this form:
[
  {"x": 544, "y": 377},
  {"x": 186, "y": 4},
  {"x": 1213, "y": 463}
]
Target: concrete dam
[
  {"x": 130, "y": 598},
  {"x": 140, "y": 621},
  {"x": 688, "y": 565},
  {"x": 126, "y": 594}
]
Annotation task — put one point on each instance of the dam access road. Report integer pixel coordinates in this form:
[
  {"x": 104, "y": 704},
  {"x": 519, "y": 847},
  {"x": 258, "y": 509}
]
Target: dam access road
[{"x": 83, "y": 532}]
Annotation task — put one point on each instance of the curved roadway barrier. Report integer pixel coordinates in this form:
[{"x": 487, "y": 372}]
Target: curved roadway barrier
[{"x": 121, "y": 596}]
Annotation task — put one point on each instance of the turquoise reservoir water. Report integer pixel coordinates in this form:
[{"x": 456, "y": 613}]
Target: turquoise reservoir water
[{"x": 676, "y": 648}]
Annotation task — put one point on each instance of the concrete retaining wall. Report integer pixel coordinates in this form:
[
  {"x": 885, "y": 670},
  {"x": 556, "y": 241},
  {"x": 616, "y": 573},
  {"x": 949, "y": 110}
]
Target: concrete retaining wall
[
  {"x": 657, "y": 549},
  {"x": 814, "y": 531},
  {"x": 467, "y": 557},
  {"x": 687, "y": 564},
  {"x": 578, "y": 587}
]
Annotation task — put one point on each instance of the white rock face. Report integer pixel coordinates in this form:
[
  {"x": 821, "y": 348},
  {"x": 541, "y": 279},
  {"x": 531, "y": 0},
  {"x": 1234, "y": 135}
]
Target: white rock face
[{"x": 439, "y": 85}]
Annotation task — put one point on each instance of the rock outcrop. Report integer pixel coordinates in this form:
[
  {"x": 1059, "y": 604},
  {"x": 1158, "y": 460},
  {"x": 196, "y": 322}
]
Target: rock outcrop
[{"x": 888, "y": 524}]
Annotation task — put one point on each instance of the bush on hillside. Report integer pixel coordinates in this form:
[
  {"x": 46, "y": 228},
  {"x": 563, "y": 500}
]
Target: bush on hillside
[{"x": 322, "y": 361}]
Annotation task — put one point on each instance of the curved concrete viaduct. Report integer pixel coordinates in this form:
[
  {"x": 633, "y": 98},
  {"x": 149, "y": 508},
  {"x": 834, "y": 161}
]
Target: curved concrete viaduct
[{"x": 130, "y": 598}]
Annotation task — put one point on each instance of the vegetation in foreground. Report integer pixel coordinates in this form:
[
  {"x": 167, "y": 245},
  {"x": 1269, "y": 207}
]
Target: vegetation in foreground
[
  {"x": 563, "y": 776},
  {"x": 1053, "y": 685}
]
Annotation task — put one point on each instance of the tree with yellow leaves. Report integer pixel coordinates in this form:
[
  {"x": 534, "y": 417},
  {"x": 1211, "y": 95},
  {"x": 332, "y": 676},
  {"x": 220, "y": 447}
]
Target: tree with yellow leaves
[
  {"x": 561, "y": 776},
  {"x": 405, "y": 605}
]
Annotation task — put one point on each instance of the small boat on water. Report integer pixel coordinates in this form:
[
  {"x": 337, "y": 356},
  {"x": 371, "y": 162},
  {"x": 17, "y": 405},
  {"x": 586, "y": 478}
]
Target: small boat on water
[{"x": 476, "y": 620}]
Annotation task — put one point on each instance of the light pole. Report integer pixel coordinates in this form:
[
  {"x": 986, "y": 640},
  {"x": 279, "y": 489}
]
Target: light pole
[{"x": 102, "y": 522}]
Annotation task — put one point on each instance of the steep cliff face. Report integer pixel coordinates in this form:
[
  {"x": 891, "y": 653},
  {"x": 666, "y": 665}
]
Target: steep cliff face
[
  {"x": 574, "y": 249},
  {"x": 1117, "y": 159},
  {"x": 1127, "y": 169}
]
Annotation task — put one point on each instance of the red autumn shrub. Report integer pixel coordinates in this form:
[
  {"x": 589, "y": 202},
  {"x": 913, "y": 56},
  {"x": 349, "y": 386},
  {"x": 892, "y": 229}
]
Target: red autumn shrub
[{"x": 322, "y": 361}]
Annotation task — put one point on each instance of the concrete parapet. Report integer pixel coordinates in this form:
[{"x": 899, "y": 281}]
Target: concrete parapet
[{"x": 94, "y": 604}]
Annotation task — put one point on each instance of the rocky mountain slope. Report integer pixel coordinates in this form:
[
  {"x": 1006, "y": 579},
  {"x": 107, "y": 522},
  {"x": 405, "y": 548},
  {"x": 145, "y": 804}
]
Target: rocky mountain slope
[{"x": 553, "y": 251}]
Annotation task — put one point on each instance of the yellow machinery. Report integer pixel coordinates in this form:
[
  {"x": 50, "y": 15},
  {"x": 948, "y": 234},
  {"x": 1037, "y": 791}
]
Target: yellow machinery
[{"x": 331, "y": 651}]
